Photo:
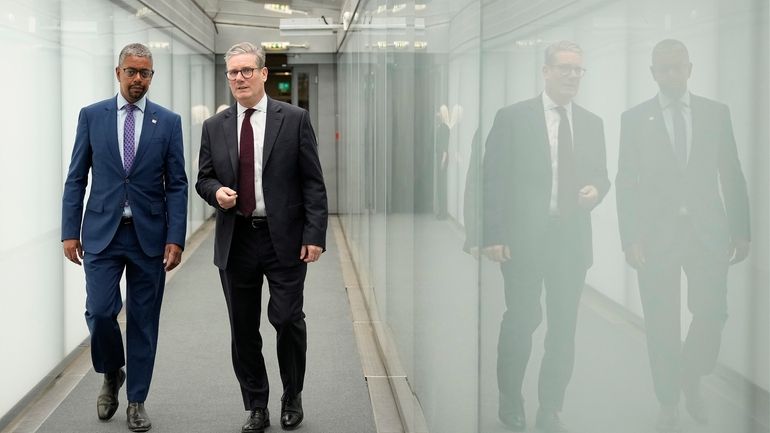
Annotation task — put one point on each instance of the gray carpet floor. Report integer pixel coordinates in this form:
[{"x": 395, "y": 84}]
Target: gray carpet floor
[{"x": 194, "y": 388}]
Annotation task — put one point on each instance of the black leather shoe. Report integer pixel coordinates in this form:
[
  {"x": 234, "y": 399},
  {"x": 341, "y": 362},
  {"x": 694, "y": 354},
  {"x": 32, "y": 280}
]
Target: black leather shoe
[
  {"x": 291, "y": 412},
  {"x": 511, "y": 413},
  {"x": 137, "y": 417},
  {"x": 107, "y": 402},
  {"x": 549, "y": 422},
  {"x": 257, "y": 422}
]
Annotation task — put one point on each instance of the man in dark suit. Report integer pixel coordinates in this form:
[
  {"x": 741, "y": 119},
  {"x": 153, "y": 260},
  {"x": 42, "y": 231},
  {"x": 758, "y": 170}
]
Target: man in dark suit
[
  {"x": 677, "y": 155},
  {"x": 544, "y": 171},
  {"x": 135, "y": 219},
  {"x": 259, "y": 168}
]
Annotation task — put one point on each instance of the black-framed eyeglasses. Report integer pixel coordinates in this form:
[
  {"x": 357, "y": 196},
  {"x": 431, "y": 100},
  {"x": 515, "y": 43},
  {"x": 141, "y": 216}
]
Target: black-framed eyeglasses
[
  {"x": 246, "y": 73},
  {"x": 567, "y": 70},
  {"x": 144, "y": 73},
  {"x": 671, "y": 68}
]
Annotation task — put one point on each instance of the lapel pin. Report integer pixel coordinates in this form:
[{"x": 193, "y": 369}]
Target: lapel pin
[{"x": 154, "y": 120}]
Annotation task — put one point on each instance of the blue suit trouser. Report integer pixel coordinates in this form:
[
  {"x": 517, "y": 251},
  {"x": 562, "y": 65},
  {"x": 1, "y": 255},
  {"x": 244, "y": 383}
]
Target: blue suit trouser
[{"x": 145, "y": 280}]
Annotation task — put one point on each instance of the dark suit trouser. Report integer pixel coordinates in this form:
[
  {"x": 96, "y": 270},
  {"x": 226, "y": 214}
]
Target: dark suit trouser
[
  {"x": 252, "y": 257},
  {"x": 557, "y": 265},
  {"x": 659, "y": 285},
  {"x": 145, "y": 282}
]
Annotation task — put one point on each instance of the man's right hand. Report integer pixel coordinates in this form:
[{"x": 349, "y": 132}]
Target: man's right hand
[
  {"x": 73, "y": 251},
  {"x": 226, "y": 197},
  {"x": 498, "y": 253},
  {"x": 635, "y": 256}
]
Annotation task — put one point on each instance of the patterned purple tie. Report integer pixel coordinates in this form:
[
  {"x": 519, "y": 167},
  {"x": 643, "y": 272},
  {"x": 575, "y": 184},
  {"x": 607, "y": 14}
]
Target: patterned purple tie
[{"x": 128, "y": 137}]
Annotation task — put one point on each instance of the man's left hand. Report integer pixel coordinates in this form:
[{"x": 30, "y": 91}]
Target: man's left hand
[
  {"x": 588, "y": 196},
  {"x": 310, "y": 253},
  {"x": 172, "y": 256}
]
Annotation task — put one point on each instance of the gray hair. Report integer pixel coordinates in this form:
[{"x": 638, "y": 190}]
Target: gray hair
[
  {"x": 557, "y": 47},
  {"x": 670, "y": 45},
  {"x": 136, "y": 50},
  {"x": 247, "y": 48}
]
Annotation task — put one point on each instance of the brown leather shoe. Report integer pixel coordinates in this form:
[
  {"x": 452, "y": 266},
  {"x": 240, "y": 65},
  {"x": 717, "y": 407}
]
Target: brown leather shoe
[
  {"x": 257, "y": 422},
  {"x": 107, "y": 402},
  {"x": 137, "y": 417},
  {"x": 291, "y": 412}
]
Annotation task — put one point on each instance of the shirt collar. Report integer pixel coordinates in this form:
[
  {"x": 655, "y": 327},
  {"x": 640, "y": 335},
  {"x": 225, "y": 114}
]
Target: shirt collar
[
  {"x": 140, "y": 104},
  {"x": 261, "y": 106},
  {"x": 549, "y": 104},
  {"x": 665, "y": 101}
]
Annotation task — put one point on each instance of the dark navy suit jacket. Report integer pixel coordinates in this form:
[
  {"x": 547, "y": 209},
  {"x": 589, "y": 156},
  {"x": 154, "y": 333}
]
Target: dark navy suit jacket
[
  {"x": 651, "y": 188},
  {"x": 156, "y": 186},
  {"x": 517, "y": 179},
  {"x": 292, "y": 181}
]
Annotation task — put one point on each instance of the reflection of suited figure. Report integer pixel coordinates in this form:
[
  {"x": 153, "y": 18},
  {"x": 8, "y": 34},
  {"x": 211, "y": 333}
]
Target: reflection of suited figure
[
  {"x": 442, "y": 160},
  {"x": 544, "y": 170},
  {"x": 676, "y": 151},
  {"x": 471, "y": 202}
]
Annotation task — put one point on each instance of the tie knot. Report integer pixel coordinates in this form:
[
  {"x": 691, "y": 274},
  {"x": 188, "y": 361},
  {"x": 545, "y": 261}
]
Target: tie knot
[
  {"x": 561, "y": 110},
  {"x": 129, "y": 107},
  {"x": 677, "y": 105},
  {"x": 249, "y": 112}
]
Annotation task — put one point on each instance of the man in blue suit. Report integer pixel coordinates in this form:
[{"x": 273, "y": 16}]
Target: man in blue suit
[
  {"x": 135, "y": 220},
  {"x": 683, "y": 205}
]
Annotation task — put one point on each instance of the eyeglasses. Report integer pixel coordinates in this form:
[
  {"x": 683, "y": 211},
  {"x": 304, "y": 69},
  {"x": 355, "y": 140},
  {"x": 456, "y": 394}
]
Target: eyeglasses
[
  {"x": 566, "y": 70},
  {"x": 246, "y": 73},
  {"x": 144, "y": 73},
  {"x": 671, "y": 68}
]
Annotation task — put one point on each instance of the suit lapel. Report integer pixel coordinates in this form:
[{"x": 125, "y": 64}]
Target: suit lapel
[
  {"x": 698, "y": 135},
  {"x": 230, "y": 126},
  {"x": 537, "y": 122},
  {"x": 655, "y": 125},
  {"x": 111, "y": 129},
  {"x": 272, "y": 128},
  {"x": 149, "y": 125}
]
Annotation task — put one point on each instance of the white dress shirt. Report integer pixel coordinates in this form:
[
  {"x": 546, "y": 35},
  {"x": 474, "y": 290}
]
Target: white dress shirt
[
  {"x": 258, "y": 120},
  {"x": 552, "y": 121}
]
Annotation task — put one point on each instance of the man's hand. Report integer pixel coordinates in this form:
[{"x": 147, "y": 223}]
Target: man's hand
[
  {"x": 172, "y": 256},
  {"x": 310, "y": 253},
  {"x": 226, "y": 197},
  {"x": 73, "y": 251},
  {"x": 588, "y": 196},
  {"x": 635, "y": 256},
  {"x": 738, "y": 251},
  {"x": 498, "y": 253}
]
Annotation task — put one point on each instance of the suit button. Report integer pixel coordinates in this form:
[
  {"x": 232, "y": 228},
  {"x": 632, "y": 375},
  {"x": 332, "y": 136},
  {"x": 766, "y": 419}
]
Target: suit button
[{"x": 128, "y": 181}]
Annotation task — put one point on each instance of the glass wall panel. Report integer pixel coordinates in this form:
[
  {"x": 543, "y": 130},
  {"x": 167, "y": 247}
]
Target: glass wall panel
[
  {"x": 67, "y": 51},
  {"x": 419, "y": 87}
]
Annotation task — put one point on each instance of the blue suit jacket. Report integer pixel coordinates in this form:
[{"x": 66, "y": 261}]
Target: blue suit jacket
[{"x": 156, "y": 186}]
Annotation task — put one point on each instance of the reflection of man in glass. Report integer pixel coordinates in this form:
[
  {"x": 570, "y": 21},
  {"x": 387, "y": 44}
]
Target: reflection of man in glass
[
  {"x": 544, "y": 171},
  {"x": 677, "y": 154}
]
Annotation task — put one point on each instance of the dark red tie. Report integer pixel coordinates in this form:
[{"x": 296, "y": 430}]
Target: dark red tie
[
  {"x": 567, "y": 188},
  {"x": 247, "y": 200}
]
